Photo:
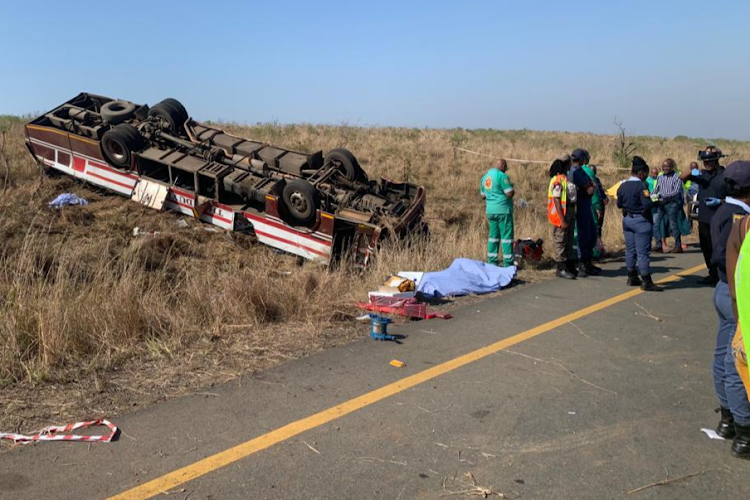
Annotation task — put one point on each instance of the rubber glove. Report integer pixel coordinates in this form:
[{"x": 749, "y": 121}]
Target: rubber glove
[
  {"x": 695, "y": 172},
  {"x": 713, "y": 202}
]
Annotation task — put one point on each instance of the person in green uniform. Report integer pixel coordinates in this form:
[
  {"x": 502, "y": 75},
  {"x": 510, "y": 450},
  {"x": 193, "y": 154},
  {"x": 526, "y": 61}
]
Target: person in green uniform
[
  {"x": 599, "y": 201},
  {"x": 653, "y": 174},
  {"x": 497, "y": 190}
]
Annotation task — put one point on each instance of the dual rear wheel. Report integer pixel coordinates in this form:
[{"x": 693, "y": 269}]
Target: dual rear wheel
[
  {"x": 302, "y": 200},
  {"x": 123, "y": 139},
  {"x": 172, "y": 114},
  {"x": 119, "y": 143}
]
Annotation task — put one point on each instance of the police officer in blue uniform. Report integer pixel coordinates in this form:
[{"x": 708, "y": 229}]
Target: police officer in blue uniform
[
  {"x": 711, "y": 191},
  {"x": 734, "y": 406},
  {"x": 637, "y": 226},
  {"x": 585, "y": 223}
]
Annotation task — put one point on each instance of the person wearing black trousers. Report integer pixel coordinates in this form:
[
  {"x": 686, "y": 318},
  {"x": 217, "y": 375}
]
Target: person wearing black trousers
[{"x": 712, "y": 192}]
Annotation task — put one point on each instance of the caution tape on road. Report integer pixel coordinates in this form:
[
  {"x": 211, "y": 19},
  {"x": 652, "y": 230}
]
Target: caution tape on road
[{"x": 54, "y": 433}]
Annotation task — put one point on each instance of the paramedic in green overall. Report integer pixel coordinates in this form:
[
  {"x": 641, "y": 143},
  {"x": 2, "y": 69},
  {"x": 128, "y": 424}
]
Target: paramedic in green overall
[{"x": 497, "y": 191}]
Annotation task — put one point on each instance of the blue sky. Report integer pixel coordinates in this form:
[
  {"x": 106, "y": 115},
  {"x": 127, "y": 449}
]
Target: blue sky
[{"x": 664, "y": 67}]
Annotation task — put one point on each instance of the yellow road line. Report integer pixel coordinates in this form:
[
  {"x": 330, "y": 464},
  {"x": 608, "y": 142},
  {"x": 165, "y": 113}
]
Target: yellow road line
[{"x": 231, "y": 455}]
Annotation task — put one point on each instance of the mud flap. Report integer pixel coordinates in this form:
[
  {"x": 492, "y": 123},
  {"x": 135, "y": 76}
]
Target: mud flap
[
  {"x": 203, "y": 203},
  {"x": 150, "y": 194},
  {"x": 365, "y": 244}
]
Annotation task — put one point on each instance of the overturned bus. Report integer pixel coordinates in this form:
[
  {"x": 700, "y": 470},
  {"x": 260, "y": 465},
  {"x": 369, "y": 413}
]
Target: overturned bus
[{"x": 310, "y": 205}]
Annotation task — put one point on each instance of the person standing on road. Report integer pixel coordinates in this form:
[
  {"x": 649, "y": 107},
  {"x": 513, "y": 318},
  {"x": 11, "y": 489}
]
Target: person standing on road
[
  {"x": 561, "y": 212},
  {"x": 497, "y": 190},
  {"x": 734, "y": 406},
  {"x": 599, "y": 203},
  {"x": 635, "y": 201},
  {"x": 668, "y": 193},
  {"x": 738, "y": 272},
  {"x": 653, "y": 176},
  {"x": 711, "y": 191},
  {"x": 584, "y": 216}
]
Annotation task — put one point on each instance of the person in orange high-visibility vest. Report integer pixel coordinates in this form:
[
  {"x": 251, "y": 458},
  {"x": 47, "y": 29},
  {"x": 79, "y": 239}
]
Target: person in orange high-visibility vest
[{"x": 561, "y": 212}]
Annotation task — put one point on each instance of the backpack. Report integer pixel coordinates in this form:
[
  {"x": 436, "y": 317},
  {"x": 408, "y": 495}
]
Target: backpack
[{"x": 528, "y": 250}]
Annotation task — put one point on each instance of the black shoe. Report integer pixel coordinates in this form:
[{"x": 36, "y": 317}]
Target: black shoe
[
  {"x": 591, "y": 269},
  {"x": 570, "y": 266},
  {"x": 741, "y": 442},
  {"x": 633, "y": 279},
  {"x": 647, "y": 285},
  {"x": 709, "y": 280},
  {"x": 725, "y": 428},
  {"x": 581, "y": 268},
  {"x": 563, "y": 273}
]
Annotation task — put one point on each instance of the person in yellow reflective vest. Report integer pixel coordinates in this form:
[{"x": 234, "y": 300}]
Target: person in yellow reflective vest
[
  {"x": 730, "y": 391},
  {"x": 738, "y": 272},
  {"x": 497, "y": 190},
  {"x": 739, "y": 290},
  {"x": 561, "y": 212}
]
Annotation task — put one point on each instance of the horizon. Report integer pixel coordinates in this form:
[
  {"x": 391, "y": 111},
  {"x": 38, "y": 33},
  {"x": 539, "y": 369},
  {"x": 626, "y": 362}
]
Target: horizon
[
  {"x": 706, "y": 140},
  {"x": 423, "y": 65}
]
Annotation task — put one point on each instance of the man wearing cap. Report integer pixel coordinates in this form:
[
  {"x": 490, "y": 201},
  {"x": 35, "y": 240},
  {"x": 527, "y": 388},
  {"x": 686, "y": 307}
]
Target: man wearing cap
[
  {"x": 734, "y": 406},
  {"x": 497, "y": 191},
  {"x": 634, "y": 199},
  {"x": 711, "y": 191},
  {"x": 584, "y": 216}
]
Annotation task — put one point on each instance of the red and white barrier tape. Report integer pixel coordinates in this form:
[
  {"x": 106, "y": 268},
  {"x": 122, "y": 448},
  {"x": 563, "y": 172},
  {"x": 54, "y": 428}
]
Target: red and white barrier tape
[
  {"x": 51, "y": 433},
  {"x": 543, "y": 162}
]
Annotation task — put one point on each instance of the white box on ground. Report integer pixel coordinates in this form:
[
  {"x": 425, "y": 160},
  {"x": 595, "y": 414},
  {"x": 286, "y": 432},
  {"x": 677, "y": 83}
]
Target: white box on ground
[{"x": 395, "y": 295}]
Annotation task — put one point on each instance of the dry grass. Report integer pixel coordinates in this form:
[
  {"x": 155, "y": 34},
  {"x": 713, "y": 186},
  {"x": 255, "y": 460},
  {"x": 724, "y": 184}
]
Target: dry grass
[{"x": 88, "y": 309}]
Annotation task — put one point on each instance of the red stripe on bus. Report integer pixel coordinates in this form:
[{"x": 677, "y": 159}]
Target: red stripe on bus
[
  {"x": 289, "y": 242},
  {"x": 287, "y": 229},
  {"x": 107, "y": 179},
  {"x": 178, "y": 203},
  {"x": 79, "y": 164},
  {"x": 186, "y": 194},
  {"x": 106, "y": 168},
  {"x": 222, "y": 219}
]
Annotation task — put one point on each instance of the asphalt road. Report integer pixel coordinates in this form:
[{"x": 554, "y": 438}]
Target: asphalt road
[{"x": 592, "y": 406}]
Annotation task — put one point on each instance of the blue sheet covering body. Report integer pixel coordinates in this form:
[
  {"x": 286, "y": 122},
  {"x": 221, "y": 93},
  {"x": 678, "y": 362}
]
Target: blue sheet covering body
[
  {"x": 464, "y": 277},
  {"x": 67, "y": 199}
]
